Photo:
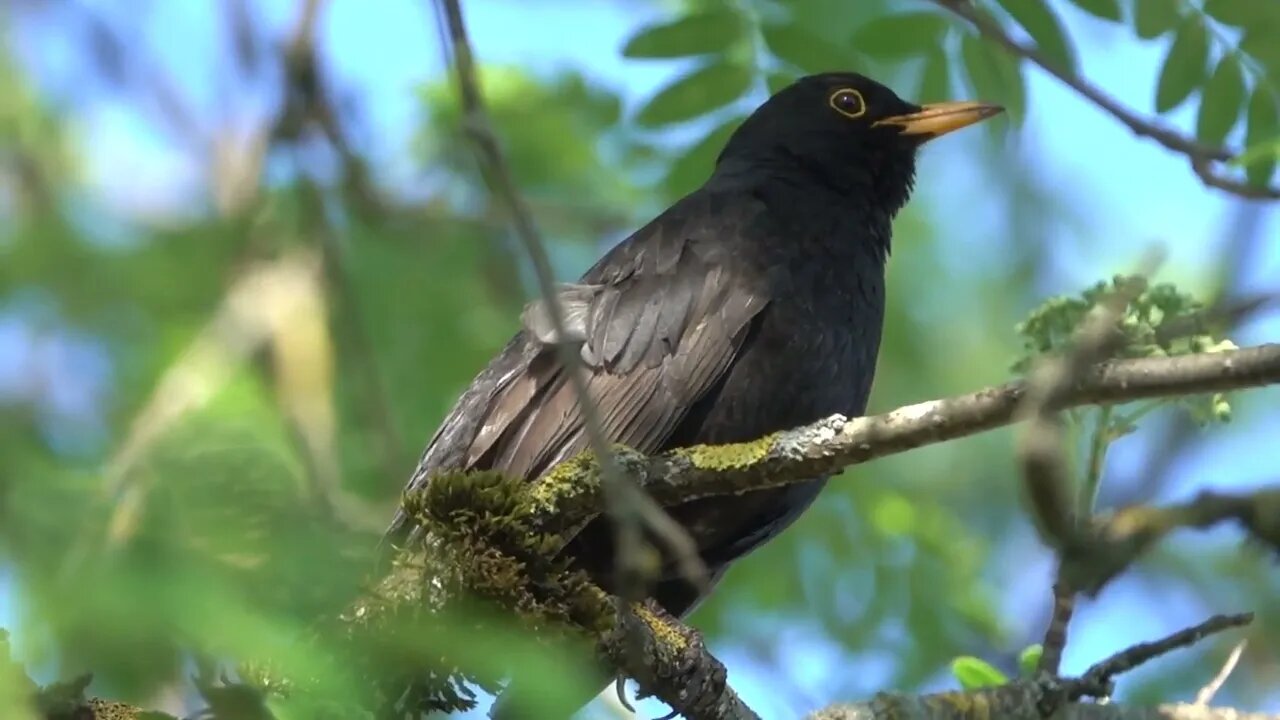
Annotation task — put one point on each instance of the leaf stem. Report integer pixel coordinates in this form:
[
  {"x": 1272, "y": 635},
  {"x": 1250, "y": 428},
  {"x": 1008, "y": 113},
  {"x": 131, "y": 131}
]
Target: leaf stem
[{"x": 1102, "y": 438}]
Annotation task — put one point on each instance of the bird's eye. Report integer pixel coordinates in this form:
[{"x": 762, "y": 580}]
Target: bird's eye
[{"x": 848, "y": 102}]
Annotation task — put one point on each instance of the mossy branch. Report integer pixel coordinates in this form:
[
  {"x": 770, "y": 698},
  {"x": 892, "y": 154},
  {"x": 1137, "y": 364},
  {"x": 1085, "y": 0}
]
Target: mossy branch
[
  {"x": 530, "y": 523},
  {"x": 569, "y": 495}
]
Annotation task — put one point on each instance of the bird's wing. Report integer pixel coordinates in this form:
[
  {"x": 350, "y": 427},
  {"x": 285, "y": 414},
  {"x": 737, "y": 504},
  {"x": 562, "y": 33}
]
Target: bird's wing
[{"x": 660, "y": 319}]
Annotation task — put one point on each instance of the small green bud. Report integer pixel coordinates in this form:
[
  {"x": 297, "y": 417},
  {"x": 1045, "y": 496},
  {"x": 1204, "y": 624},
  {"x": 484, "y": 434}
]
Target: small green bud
[{"x": 975, "y": 673}]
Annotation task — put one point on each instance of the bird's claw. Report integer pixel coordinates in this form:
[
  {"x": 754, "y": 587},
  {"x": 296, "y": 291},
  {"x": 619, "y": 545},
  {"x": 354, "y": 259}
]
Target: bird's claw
[
  {"x": 620, "y": 687},
  {"x": 700, "y": 677}
]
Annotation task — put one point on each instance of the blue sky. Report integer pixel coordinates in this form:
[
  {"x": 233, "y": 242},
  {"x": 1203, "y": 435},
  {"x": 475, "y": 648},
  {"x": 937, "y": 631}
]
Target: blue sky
[{"x": 1131, "y": 191}]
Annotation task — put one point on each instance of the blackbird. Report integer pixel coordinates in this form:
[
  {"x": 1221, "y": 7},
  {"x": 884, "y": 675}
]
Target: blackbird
[{"x": 751, "y": 305}]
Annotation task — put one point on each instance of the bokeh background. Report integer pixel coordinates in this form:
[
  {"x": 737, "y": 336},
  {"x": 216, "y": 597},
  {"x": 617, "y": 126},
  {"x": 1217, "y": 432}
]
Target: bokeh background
[{"x": 247, "y": 263}]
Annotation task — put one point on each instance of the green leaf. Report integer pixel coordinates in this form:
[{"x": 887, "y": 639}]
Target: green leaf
[
  {"x": 1263, "y": 134},
  {"x": 693, "y": 167},
  {"x": 1045, "y": 29},
  {"x": 1259, "y": 42},
  {"x": 994, "y": 75},
  {"x": 806, "y": 50},
  {"x": 1220, "y": 105},
  {"x": 1184, "y": 67},
  {"x": 975, "y": 673},
  {"x": 935, "y": 79},
  {"x": 1230, "y": 12},
  {"x": 1105, "y": 9},
  {"x": 1029, "y": 660},
  {"x": 712, "y": 31},
  {"x": 705, "y": 89},
  {"x": 901, "y": 35},
  {"x": 1152, "y": 18},
  {"x": 1244, "y": 13}
]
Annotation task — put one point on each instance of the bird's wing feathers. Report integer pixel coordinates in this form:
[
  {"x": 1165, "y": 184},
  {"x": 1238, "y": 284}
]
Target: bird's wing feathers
[
  {"x": 659, "y": 319},
  {"x": 656, "y": 331}
]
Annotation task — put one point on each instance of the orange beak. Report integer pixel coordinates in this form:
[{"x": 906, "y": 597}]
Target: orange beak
[{"x": 938, "y": 119}]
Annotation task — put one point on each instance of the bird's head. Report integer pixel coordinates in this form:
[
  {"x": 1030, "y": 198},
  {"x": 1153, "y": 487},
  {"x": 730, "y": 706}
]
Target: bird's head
[{"x": 847, "y": 132}]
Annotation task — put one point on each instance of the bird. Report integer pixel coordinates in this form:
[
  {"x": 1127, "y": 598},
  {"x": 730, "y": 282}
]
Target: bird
[{"x": 751, "y": 305}]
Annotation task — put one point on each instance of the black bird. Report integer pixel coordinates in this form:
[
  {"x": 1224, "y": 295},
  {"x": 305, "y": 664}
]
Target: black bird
[{"x": 753, "y": 304}]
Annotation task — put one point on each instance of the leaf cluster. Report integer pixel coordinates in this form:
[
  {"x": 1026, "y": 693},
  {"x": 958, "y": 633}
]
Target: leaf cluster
[{"x": 1160, "y": 321}]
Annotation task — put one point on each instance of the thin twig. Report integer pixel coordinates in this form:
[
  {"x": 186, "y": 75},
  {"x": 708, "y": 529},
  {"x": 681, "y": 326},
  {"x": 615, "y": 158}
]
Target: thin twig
[
  {"x": 1098, "y": 679},
  {"x": 1205, "y": 696},
  {"x": 628, "y": 507},
  {"x": 1055, "y": 633},
  {"x": 1201, "y": 156},
  {"x": 1115, "y": 541},
  {"x": 1045, "y": 697}
]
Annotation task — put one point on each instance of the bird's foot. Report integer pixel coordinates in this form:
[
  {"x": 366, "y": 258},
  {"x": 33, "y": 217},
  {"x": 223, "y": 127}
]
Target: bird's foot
[{"x": 680, "y": 662}]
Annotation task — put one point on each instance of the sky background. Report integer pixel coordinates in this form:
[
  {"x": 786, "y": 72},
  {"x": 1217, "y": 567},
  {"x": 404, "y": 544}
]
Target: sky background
[{"x": 1128, "y": 191}]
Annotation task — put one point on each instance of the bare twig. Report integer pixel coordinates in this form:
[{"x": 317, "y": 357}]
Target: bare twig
[
  {"x": 1098, "y": 680},
  {"x": 1202, "y": 157},
  {"x": 1205, "y": 696},
  {"x": 1055, "y": 633},
  {"x": 1050, "y": 697},
  {"x": 629, "y": 509},
  {"x": 1114, "y": 542}
]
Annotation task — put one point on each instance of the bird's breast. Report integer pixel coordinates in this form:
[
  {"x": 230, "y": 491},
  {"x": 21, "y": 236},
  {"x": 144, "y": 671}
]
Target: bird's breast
[{"x": 812, "y": 351}]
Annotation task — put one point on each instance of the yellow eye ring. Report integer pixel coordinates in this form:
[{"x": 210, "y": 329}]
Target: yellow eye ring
[{"x": 848, "y": 102}]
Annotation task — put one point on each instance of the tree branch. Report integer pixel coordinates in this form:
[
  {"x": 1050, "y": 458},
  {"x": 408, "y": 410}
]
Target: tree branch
[
  {"x": 1114, "y": 541},
  {"x": 1201, "y": 156},
  {"x": 568, "y": 495}
]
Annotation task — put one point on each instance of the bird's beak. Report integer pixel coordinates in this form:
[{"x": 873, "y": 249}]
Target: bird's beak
[{"x": 937, "y": 119}]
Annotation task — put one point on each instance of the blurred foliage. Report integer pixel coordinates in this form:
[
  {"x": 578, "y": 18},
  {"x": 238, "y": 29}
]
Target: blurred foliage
[
  {"x": 1160, "y": 321},
  {"x": 202, "y": 436},
  {"x": 1222, "y": 50}
]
